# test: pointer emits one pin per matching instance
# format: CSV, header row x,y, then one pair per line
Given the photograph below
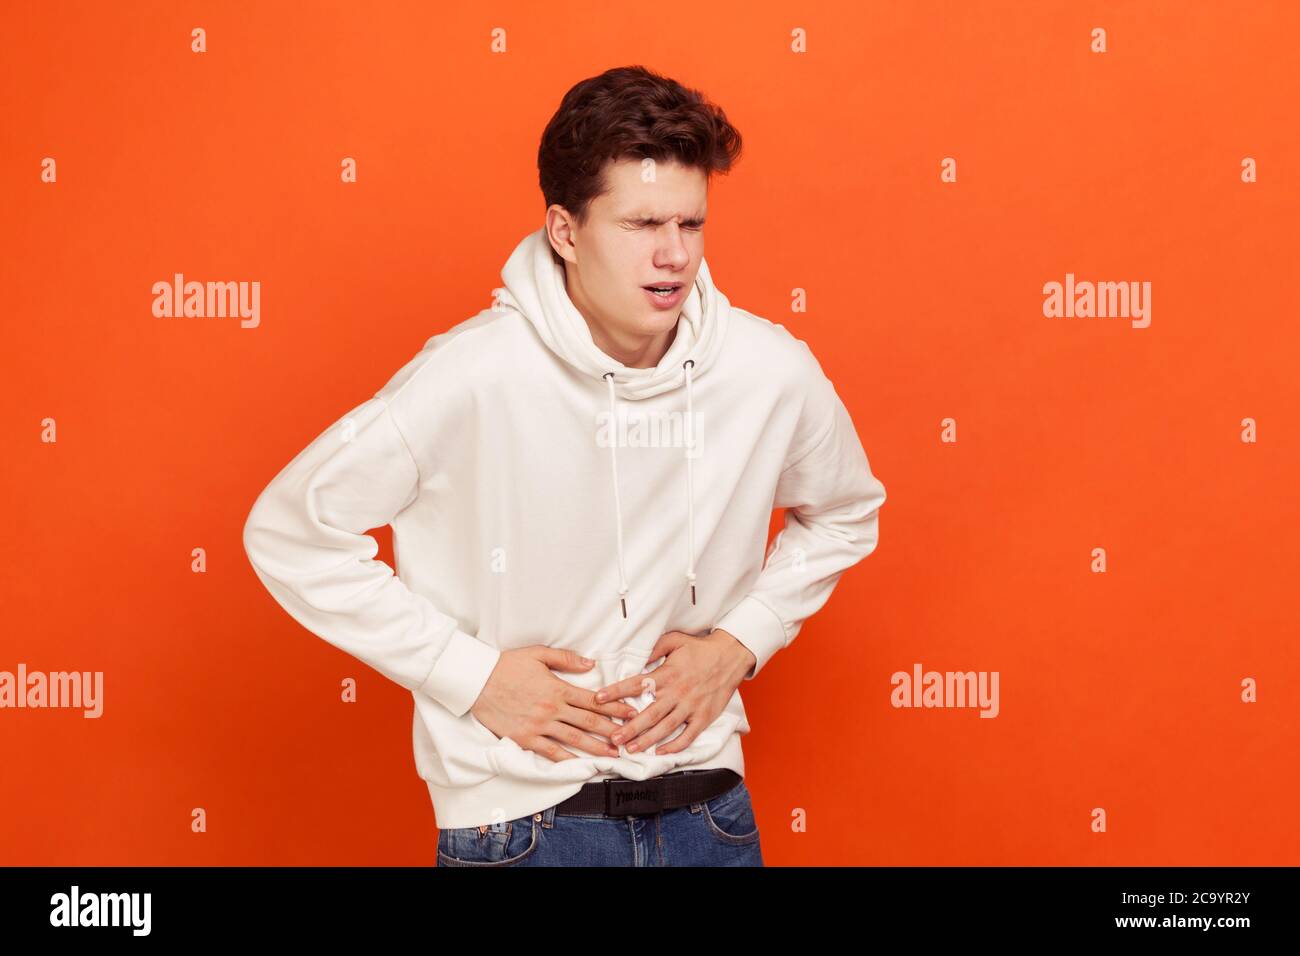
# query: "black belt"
x,y
619,797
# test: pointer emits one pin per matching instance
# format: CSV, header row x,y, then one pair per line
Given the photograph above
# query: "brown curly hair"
x,y
628,112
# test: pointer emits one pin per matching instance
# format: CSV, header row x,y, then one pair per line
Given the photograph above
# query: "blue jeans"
x,y
717,832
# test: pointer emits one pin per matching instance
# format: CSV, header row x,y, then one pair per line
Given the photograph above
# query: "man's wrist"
x,y
744,657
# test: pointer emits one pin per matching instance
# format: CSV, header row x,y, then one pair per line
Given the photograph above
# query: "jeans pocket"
x,y
498,844
730,816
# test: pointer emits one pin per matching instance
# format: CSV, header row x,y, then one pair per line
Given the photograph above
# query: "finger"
x,y
616,709
592,723
545,747
561,658
658,731
683,740
577,697
668,642
576,738
628,687
637,686
644,720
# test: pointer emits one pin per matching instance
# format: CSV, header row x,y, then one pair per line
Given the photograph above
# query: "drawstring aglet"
x,y
692,593
623,601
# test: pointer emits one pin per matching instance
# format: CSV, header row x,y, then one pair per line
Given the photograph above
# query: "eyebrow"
x,y
652,221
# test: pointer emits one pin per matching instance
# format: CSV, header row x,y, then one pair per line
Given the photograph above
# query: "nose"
x,y
671,249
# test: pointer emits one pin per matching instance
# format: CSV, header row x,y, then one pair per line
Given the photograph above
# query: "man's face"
x,y
638,233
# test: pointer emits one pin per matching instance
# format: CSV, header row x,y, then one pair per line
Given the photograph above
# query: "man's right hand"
x,y
524,701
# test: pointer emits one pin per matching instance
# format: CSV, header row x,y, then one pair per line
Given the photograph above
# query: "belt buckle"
x,y
625,798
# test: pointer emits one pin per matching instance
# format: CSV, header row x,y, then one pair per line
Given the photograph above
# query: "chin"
x,y
661,321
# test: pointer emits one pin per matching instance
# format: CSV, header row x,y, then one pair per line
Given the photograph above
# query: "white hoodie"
x,y
534,500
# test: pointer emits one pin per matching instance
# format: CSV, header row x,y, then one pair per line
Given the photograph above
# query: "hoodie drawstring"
x,y
690,486
618,508
690,481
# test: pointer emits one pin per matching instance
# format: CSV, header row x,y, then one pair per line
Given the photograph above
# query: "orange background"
x,y
1118,690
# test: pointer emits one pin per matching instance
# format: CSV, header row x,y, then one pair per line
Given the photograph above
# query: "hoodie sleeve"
x,y
832,501
305,538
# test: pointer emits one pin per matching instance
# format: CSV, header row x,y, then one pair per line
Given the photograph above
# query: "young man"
x,y
580,481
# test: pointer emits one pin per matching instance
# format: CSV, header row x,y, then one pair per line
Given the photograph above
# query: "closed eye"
x,y
694,225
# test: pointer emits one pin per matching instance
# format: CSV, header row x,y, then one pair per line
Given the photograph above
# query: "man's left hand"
x,y
691,687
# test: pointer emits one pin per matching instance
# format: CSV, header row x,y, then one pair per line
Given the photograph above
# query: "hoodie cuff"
x,y
461,672
756,626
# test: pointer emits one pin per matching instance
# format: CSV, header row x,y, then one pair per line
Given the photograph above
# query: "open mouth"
x,y
665,291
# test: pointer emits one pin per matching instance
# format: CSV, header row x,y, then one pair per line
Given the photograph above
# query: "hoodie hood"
x,y
535,287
